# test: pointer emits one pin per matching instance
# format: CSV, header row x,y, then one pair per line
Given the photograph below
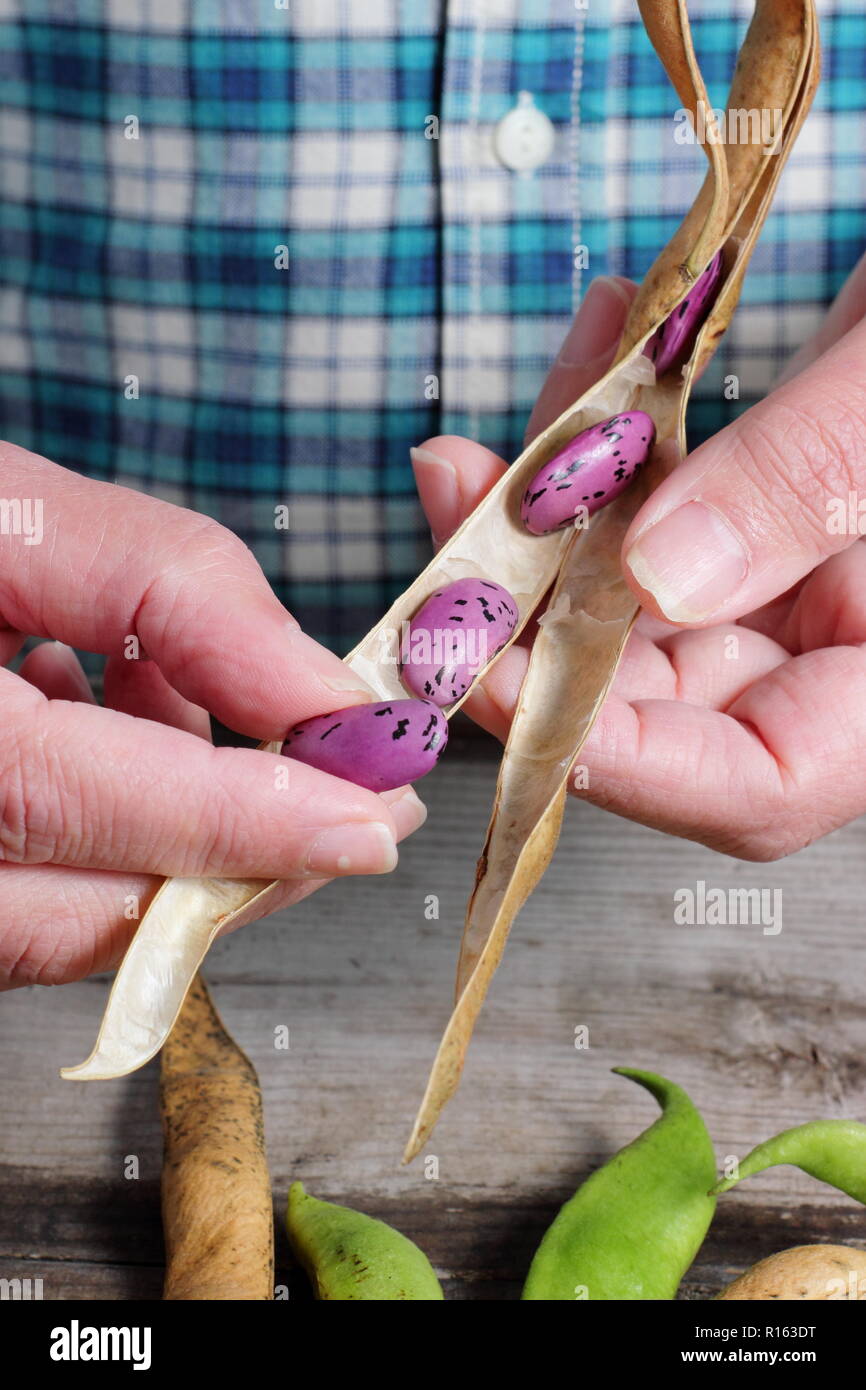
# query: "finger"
x,y
587,351
709,667
752,511
59,924
452,475
847,309
829,609
139,688
776,771
108,565
95,788
55,670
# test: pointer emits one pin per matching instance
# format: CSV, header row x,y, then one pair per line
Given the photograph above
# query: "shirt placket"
x,y
511,207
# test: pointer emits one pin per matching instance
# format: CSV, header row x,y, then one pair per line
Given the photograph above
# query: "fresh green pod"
x,y
833,1151
349,1256
633,1228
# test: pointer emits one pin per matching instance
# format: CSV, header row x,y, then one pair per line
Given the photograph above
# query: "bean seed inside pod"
x,y
454,635
378,746
671,344
588,473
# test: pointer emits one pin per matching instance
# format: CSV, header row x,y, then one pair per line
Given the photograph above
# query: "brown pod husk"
x,y
814,1273
574,658
186,915
217,1212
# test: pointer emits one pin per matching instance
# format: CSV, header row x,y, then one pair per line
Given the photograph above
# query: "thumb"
x,y
763,502
454,474
587,351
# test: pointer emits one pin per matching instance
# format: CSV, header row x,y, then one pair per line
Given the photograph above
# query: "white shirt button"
x,y
525,136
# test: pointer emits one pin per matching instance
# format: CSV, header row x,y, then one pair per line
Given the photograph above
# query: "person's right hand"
x,y
738,713
94,803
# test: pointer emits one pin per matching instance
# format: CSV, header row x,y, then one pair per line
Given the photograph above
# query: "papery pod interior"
x,y
574,658
187,915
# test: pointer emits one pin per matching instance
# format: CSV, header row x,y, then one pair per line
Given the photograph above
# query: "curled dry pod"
x,y
672,343
217,1213
833,1151
186,915
811,1272
352,1257
777,69
589,473
378,746
633,1228
454,635
574,658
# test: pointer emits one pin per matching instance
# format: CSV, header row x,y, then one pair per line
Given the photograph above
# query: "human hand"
x,y
738,714
96,802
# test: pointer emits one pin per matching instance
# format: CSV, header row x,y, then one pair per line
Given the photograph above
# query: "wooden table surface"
x,y
764,1031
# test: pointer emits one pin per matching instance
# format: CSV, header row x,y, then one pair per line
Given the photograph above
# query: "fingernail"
x,y
349,683
691,562
357,848
597,324
407,808
436,475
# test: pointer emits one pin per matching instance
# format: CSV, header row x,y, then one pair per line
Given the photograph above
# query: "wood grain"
x,y
763,1031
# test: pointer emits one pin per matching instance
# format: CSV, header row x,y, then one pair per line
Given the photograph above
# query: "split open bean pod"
x,y
591,610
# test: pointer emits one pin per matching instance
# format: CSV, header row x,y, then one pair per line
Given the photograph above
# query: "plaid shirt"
x,y
235,271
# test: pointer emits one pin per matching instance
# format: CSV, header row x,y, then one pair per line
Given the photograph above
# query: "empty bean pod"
x,y
588,473
671,344
454,635
378,746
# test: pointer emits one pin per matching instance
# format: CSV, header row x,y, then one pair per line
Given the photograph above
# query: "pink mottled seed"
x,y
588,473
378,746
454,635
672,343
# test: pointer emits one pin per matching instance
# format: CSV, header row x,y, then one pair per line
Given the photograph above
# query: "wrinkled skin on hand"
x,y
98,804
743,727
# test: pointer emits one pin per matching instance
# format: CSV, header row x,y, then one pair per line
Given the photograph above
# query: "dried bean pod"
x,y
588,473
454,635
216,1190
379,746
672,342
815,1273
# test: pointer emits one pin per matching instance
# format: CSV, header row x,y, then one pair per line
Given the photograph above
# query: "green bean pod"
x,y
634,1227
833,1151
351,1257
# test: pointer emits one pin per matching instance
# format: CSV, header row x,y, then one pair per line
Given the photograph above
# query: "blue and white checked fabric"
x,y
236,273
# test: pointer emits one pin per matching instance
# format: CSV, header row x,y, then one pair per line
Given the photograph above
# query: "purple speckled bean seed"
x,y
671,344
378,746
589,472
454,635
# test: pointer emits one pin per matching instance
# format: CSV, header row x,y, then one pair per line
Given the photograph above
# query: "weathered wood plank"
x,y
763,1030
93,1240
